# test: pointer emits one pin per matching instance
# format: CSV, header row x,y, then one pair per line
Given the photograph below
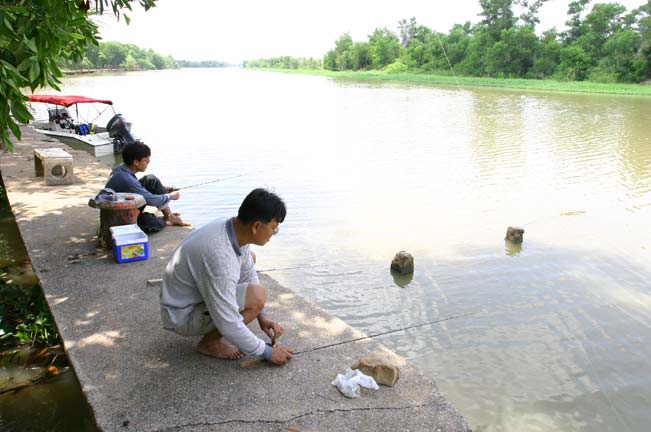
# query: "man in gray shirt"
x,y
210,287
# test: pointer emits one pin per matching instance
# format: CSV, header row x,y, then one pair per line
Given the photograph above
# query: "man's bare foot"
x,y
175,219
220,349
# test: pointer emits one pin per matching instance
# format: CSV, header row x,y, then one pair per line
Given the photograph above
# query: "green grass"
x,y
442,79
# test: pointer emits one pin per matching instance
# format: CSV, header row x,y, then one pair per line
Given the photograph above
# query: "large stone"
x,y
380,367
514,235
403,263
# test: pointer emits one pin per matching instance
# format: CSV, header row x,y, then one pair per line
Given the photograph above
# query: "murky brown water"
x,y
559,337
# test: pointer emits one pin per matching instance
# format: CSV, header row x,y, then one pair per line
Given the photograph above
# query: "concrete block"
x,y
55,165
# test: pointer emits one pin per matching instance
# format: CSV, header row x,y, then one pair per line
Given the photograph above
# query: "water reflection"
x,y
559,334
511,248
401,280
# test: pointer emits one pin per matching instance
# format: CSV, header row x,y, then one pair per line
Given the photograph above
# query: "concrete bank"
x,y
137,376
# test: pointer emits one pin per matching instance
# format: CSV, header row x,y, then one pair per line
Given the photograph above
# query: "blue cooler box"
x,y
129,243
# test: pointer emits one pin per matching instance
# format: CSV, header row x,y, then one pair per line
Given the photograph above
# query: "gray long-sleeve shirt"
x,y
207,267
123,180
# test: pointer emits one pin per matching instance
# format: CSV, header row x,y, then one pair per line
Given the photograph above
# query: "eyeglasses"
x,y
274,231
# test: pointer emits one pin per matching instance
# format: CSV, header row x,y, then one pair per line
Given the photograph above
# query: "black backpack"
x,y
149,222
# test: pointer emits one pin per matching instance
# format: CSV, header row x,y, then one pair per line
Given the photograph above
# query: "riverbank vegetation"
x,y
201,64
115,55
119,56
603,43
445,78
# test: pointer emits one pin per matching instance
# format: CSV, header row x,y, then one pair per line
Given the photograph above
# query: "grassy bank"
x,y
462,81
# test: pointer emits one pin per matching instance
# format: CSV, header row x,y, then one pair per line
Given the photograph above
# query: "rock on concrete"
x,y
380,367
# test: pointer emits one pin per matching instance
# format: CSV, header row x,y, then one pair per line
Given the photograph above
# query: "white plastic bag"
x,y
350,383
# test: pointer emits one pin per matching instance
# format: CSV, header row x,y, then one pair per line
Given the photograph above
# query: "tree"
x,y
549,55
574,23
498,16
115,54
34,36
574,64
456,43
530,16
385,47
407,31
523,46
642,63
330,60
603,21
362,55
419,49
619,57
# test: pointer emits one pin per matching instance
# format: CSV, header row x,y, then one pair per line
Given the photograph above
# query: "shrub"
x,y
396,67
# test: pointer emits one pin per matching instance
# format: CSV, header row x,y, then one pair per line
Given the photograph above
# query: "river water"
x,y
555,334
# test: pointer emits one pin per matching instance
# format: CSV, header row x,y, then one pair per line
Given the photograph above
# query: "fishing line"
x,y
387,332
293,268
208,182
448,60
219,180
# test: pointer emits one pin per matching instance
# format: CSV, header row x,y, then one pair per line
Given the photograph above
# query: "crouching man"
x,y
210,287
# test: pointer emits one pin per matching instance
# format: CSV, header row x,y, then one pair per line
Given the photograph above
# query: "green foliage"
x,y
115,55
34,36
385,47
25,317
284,62
498,16
574,64
396,67
193,64
603,43
549,55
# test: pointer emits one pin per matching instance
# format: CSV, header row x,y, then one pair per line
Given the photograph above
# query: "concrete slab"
x,y
137,376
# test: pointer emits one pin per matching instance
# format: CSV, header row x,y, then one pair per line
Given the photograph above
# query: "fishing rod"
x,y
207,182
387,332
250,363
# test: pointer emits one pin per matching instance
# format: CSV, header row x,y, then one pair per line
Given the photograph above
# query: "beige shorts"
x,y
199,323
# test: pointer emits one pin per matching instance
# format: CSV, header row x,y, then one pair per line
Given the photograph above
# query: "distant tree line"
x,y
284,62
115,55
201,64
602,43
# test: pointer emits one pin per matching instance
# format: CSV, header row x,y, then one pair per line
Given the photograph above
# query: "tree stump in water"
x,y
123,210
403,263
514,235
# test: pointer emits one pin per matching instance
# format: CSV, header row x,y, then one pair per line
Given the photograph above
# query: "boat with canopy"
x,y
81,132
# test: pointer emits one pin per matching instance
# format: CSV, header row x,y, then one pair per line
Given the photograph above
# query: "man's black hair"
x,y
135,152
262,205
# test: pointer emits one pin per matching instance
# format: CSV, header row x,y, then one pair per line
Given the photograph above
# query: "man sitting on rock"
x,y
123,178
211,289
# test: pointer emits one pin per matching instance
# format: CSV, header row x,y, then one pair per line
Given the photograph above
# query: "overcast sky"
x,y
234,31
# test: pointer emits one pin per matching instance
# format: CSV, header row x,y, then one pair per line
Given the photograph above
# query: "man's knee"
x,y
256,296
152,184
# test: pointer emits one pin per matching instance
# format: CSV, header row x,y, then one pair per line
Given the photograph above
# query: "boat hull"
x,y
96,144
